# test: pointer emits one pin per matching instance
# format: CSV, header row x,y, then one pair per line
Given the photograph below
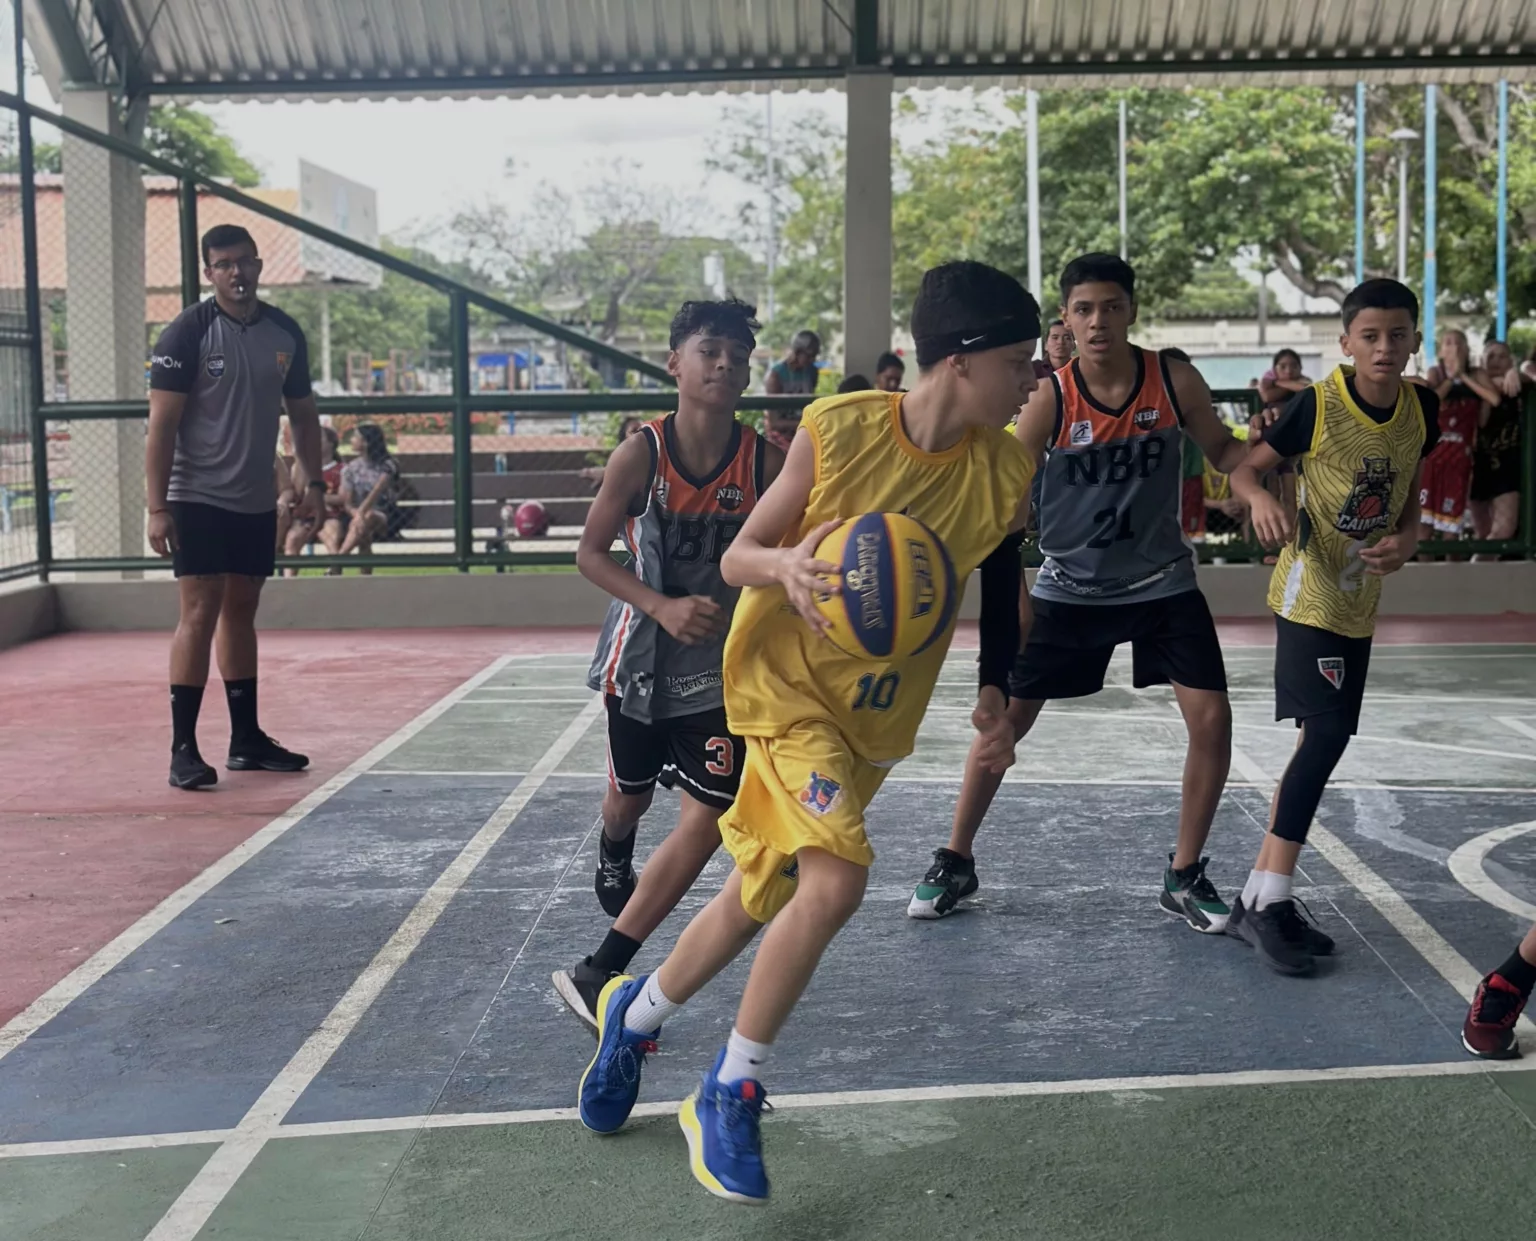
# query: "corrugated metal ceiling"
x,y
383,48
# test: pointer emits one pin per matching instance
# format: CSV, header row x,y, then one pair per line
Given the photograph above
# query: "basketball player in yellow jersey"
x,y
816,753
1359,437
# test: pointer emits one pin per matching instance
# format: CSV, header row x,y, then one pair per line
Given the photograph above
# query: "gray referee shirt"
x,y
235,376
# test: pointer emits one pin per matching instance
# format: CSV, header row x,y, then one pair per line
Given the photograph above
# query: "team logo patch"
x,y
1332,668
1081,433
284,360
1145,418
820,793
730,497
791,870
215,365
1368,506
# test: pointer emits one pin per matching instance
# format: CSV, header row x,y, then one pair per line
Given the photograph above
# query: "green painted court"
x,y
344,1027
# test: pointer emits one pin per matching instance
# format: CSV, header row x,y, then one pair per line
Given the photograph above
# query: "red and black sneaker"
x,y
1489,1030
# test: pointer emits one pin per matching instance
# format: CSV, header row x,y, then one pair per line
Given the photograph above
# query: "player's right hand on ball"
x,y
1270,521
804,577
162,533
691,619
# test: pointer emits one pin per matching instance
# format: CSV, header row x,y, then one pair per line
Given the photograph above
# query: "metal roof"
x,y
408,48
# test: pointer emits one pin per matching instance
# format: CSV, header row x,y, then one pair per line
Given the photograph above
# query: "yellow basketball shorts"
x,y
803,789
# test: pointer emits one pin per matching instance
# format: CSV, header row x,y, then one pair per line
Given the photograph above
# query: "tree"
x,y
190,137
622,254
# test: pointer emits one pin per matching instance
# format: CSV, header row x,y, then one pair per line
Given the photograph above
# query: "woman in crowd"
x,y
369,485
333,529
1462,388
795,374
1496,455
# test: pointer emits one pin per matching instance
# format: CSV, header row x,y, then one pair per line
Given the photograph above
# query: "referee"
x,y
219,377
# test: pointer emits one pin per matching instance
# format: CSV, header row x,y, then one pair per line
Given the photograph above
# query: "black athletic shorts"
x,y
211,540
1318,671
695,753
1173,640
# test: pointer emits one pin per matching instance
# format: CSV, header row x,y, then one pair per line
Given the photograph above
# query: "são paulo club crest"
x,y
1368,507
1332,668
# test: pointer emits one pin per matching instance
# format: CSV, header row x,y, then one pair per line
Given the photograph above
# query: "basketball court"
x,y
321,1009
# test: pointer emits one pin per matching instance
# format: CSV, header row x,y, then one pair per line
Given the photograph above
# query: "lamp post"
x,y
1402,137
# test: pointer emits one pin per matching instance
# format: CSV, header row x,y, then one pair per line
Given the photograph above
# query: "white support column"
x,y
867,222
104,242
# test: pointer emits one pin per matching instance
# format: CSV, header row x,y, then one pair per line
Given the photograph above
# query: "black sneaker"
x,y
189,771
1489,1030
1193,897
949,881
1277,932
261,753
615,879
1312,936
580,986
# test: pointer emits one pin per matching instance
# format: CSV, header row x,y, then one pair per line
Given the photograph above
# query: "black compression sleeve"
x,y
1001,573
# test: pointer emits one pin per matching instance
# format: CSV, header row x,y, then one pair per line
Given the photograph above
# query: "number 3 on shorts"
x,y
722,758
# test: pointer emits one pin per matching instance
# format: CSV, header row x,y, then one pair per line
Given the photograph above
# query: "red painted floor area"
x,y
92,837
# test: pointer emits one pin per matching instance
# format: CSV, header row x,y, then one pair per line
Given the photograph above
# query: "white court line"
x,y
1290,730
1404,919
90,971
1518,726
198,1201
1466,864
786,1102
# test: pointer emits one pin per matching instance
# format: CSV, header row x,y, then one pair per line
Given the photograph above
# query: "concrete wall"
x,y
528,600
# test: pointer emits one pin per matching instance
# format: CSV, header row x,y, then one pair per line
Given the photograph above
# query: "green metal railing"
x,y
459,405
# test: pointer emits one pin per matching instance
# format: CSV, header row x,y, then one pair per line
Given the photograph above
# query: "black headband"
x,y
931,349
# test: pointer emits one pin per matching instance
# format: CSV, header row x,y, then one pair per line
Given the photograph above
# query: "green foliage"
x,y
192,138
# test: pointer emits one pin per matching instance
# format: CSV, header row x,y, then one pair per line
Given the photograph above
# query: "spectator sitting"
x,y
1059,345
795,374
333,529
368,489
780,425
857,383
1283,379
594,473
287,498
890,370
1496,454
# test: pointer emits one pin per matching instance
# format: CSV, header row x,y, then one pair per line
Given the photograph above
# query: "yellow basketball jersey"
x,y
1353,486
777,672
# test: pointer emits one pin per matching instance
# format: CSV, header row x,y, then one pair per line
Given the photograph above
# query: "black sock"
x,y
617,952
186,702
242,709
1520,972
618,848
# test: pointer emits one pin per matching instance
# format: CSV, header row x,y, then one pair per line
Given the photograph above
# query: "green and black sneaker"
x,y
949,881
1188,894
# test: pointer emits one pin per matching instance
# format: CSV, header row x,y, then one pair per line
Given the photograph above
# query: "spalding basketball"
x,y
898,595
531,521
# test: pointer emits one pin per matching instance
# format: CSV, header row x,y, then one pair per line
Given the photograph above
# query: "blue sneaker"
x,y
721,1124
611,1083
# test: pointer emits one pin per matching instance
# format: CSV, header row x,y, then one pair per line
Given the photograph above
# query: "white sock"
x,y
743,1058
649,1009
1265,887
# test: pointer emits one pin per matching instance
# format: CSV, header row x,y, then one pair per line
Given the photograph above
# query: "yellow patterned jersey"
x,y
1355,480
777,672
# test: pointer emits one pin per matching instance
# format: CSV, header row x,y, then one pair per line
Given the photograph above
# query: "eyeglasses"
x,y
225,266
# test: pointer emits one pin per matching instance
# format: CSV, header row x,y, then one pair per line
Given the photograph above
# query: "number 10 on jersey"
x,y
876,694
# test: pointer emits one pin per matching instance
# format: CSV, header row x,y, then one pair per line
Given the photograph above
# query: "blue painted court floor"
x,y
353,1033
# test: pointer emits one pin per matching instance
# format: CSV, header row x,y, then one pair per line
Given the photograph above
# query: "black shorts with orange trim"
x,y
696,754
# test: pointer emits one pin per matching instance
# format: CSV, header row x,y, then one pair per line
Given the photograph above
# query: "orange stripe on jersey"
x,y
1086,421
731,490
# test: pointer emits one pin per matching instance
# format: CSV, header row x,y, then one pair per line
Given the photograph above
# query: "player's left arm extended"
x,y
1393,551
1201,422
1006,616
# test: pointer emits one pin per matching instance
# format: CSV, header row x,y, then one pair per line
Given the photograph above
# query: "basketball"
x,y
898,593
531,521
